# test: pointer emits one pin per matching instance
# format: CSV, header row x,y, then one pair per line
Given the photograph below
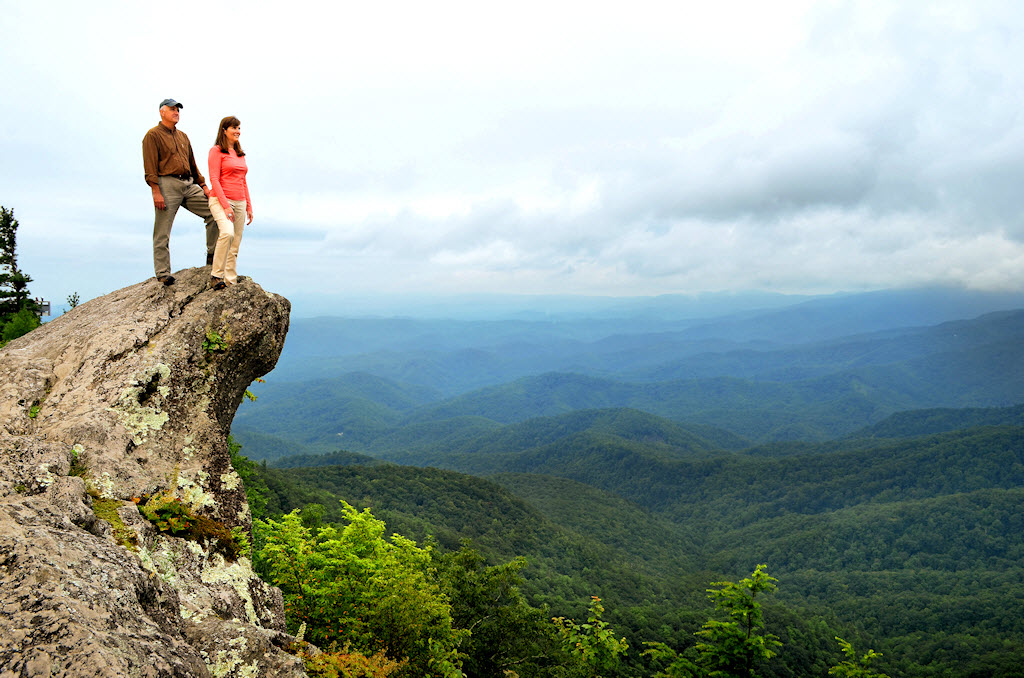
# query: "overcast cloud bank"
x,y
802,147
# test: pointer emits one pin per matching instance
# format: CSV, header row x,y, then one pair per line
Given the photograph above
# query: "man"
x,y
172,174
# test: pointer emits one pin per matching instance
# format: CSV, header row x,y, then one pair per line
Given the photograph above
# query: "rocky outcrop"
x,y
130,396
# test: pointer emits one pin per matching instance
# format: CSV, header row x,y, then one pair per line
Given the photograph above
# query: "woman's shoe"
x,y
217,283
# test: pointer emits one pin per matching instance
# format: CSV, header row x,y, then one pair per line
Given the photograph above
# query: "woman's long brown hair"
x,y
222,138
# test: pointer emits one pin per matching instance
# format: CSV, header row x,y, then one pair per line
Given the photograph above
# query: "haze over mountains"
x,y
869,448
817,370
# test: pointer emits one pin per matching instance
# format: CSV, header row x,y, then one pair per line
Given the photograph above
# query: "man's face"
x,y
169,115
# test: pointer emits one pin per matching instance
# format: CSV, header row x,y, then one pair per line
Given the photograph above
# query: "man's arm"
x,y
150,156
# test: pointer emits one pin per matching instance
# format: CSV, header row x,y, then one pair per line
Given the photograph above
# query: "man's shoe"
x,y
209,258
166,279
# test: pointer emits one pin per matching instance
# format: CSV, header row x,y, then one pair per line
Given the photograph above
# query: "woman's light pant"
x,y
225,255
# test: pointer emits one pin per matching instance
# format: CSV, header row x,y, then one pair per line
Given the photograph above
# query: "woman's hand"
x,y
249,212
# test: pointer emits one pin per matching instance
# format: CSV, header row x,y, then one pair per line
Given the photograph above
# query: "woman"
x,y
229,200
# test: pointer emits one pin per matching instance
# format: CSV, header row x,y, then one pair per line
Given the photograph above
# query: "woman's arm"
x,y
214,161
248,200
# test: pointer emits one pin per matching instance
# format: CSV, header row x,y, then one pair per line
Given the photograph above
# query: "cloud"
x,y
540,147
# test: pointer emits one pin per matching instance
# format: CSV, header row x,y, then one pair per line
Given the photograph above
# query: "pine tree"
x,y
14,294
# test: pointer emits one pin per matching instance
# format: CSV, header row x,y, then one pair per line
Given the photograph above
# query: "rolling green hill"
x,y
941,420
479,450
374,415
854,383
747,488
263,446
327,414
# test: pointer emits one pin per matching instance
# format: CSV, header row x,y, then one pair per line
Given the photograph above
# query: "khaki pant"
x,y
225,255
178,193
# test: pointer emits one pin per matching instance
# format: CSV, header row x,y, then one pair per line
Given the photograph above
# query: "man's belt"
x,y
183,177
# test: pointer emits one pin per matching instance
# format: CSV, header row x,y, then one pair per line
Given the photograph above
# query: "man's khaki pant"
x,y
179,193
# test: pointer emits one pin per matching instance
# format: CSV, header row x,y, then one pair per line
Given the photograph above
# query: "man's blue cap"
x,y
170,102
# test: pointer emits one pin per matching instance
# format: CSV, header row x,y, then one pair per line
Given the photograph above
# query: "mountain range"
x,y
869,448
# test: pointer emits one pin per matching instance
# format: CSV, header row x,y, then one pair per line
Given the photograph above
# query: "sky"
x,y
531,148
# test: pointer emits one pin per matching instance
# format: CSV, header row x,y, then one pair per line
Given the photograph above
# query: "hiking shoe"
x,y
166,279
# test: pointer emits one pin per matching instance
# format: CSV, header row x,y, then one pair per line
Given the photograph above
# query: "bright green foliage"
x,y
853,666
353,588
733,647
18,324
215,342
240,536
677,665
169,514
252,397
594,644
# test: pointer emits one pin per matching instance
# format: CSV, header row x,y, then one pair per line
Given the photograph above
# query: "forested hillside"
x,y
941,420
877,469
916,545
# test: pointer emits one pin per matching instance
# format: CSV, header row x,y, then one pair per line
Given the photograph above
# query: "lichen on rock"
x,y
230,480
193,493
139,406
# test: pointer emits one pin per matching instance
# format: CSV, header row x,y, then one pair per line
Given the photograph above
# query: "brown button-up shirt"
x,y
166,151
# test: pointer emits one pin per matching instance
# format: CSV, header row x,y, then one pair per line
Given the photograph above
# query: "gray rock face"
x,y
138,387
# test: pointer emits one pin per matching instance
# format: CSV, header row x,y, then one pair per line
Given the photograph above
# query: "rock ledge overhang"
x,y
141,385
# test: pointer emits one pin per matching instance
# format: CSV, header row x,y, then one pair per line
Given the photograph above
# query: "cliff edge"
x,y
126,400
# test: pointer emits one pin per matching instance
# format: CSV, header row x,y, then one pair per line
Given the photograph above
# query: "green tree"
x,y
733,647
508,635
19,313
18,324
351,588
729,648
854,666
14,294
593,644
676,665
